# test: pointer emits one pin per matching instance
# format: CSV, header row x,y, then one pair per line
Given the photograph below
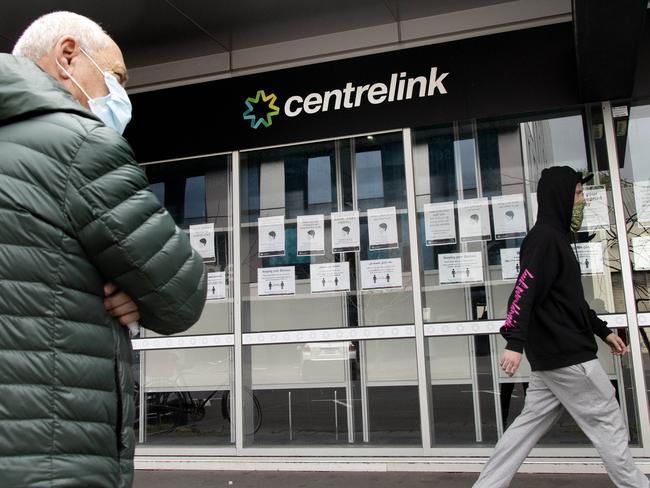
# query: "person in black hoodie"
x,y
549,318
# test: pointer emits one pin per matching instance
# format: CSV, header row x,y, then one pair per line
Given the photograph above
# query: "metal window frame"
x,y
641,396
419,330
238,387
421,343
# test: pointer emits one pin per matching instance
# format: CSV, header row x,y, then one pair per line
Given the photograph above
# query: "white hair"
x,y
41,36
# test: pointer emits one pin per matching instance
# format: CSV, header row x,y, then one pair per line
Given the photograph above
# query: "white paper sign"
x,y
311,235
216,285
382,228
510,265
533,208
330,277
280,280
345,231
202,240
641,253
474,220
596,214
463,267
642,201
590,257
271,235
439,223
381,273
509,215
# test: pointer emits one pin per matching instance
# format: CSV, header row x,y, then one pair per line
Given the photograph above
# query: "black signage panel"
x,y
513,72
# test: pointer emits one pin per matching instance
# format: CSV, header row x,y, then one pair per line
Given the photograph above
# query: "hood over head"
x,y
555,196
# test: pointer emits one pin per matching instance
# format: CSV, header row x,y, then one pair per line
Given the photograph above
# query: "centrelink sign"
x,y
473,78
263,107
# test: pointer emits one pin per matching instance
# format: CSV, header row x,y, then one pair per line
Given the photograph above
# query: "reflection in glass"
x,y
187,396
461,391
476,185
634,152
369,175
645,354
345,392
635,186
503,160
197,192
312,180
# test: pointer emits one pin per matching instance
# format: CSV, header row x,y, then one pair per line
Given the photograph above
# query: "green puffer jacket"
x,y
75,212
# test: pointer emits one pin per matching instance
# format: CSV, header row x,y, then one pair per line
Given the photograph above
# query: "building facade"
x,y
361,220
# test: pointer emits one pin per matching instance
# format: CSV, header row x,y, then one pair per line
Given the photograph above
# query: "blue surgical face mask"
x,y
113,109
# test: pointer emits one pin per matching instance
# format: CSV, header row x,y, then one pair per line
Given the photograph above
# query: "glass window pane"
x,y
187,396
476,186
319,174
196,192
348,392
294,193
510,156
369,175
634,151
635,186
461,391
195,197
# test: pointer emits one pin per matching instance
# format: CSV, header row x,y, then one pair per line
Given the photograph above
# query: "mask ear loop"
x,y
91,60
72,78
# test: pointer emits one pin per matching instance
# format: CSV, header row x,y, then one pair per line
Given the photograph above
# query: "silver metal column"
x,y
237,390
478,421
421,346
478,426
365,427
232,267
496,384
626,273
142,432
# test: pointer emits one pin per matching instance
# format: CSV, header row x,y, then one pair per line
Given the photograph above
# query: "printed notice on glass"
x,y
202,240
270,232
474,220
533,208
439,223
311,235
330,277
280,280
216,286
596,214
590,257
345,231
382,228
381,273
641,253
510,266
509,215
642,201
462,267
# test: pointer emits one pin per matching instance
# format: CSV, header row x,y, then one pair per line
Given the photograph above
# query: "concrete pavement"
x,y
284,479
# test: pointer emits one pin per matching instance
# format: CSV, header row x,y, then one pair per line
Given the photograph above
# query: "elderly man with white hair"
x,y
85,249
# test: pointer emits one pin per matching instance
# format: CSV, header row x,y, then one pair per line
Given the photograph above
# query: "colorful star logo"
x,y
251,103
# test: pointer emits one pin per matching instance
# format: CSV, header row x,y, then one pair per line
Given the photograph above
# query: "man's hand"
x,y
120,305
616,345
510,361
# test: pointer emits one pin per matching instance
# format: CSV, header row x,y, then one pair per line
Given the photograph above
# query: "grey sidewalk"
x,y
284,479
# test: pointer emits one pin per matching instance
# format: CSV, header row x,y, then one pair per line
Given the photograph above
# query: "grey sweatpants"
x,y
587,394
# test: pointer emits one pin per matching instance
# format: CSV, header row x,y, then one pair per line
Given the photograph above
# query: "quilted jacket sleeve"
x,y
129,237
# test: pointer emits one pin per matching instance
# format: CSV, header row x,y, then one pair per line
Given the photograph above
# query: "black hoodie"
x,y
547,312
